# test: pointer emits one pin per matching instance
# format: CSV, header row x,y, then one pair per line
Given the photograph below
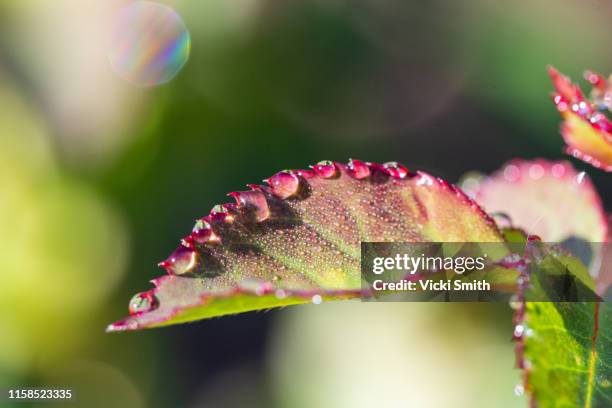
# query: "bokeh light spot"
x,y
149,43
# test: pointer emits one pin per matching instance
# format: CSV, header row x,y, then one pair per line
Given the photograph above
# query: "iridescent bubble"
x,y
149,43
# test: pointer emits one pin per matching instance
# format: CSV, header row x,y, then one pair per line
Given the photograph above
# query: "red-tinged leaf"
x,y
547,199
297,240
585,128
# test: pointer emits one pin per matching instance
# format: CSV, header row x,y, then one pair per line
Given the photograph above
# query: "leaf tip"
x,y
122,326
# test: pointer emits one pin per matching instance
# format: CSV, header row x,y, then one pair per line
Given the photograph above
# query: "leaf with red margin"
x,y
586,131
564,349
297,240
545,198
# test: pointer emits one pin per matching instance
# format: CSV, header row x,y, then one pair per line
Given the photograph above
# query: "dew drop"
x,y
518,331
284,184
187,242
256,286
558,170
425,180
317,299
470,183
204,235
255,201
200,225
142,302
512,173
561,103
218,209
396,170
148,44
594,78
536,171
220,213
181,261
358,169
515,303
519,390
580,178
325,169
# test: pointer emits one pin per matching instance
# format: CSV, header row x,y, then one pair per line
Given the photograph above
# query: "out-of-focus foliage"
x,y
63,247
527,191
394,355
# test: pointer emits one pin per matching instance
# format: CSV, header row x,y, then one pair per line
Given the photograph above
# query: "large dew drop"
x,y
149,43
284,184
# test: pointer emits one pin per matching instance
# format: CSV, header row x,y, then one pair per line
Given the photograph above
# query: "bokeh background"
x,y
100,176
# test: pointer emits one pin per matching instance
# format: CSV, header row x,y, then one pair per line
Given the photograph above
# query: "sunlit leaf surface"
x,y
297,240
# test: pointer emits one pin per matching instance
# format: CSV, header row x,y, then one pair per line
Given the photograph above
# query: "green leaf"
x,y
565,348
297,240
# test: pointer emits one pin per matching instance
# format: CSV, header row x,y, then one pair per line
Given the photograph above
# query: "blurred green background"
x,y
99,179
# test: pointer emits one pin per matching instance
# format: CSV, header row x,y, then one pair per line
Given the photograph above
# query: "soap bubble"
x,y
149,43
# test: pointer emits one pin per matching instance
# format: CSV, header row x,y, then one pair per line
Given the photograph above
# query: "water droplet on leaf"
x,y
200,225
204,236
512,173
142,302
515,303
325,169
558,170
470,183
536,171
284,184
396,170
519,390
255,201
358,169
218,209
181,261
256,286
518,331
317,299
